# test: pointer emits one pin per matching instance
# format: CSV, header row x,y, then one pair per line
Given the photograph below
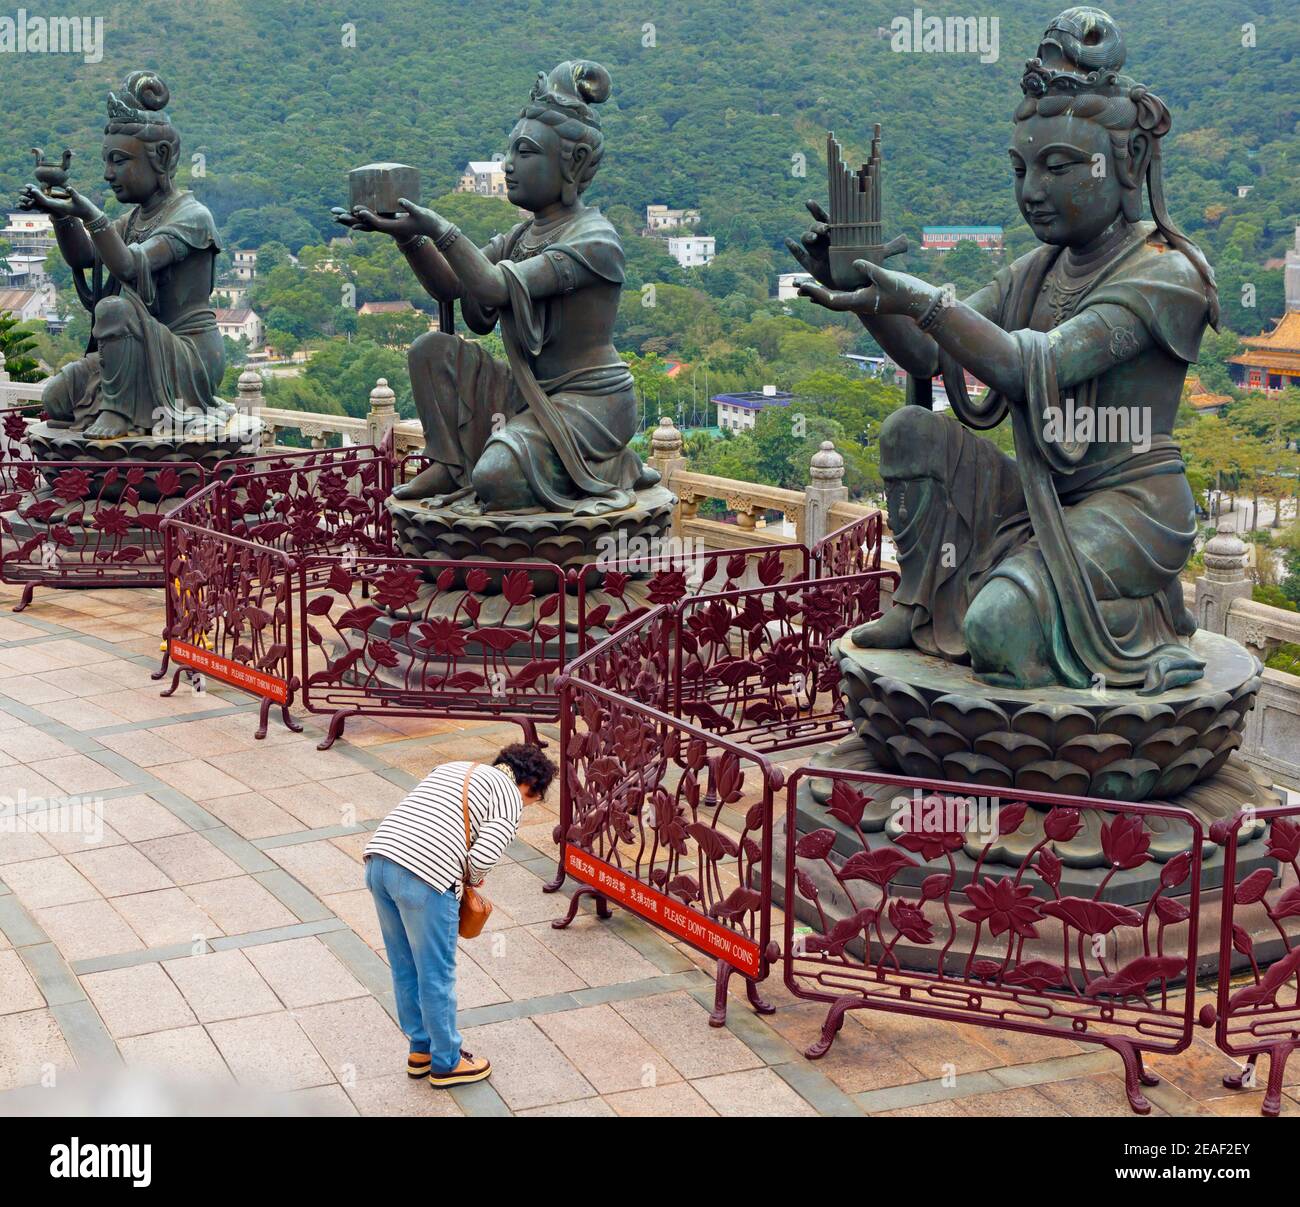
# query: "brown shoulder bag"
x,y
475,909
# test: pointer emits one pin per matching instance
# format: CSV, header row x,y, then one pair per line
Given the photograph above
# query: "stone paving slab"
x,y
214,946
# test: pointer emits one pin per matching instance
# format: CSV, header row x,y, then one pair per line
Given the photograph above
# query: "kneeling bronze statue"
x,y
155,359
548,430
1062,565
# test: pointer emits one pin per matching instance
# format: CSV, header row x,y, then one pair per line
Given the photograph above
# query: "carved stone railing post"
x,y
666,456
744,507
825,489
1225,579
382,414
252,402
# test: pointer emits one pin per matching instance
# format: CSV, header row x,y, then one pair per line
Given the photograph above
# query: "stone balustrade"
x,y
1223,604
810,514
1221,599
12,393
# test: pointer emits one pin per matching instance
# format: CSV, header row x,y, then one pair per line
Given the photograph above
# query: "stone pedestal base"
x,y
558,538
919,715
207,442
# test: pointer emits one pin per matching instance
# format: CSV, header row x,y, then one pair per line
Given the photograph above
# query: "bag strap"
x,y
464,807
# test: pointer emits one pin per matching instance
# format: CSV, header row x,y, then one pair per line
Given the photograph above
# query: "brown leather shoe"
x,y
470,1069
417,1064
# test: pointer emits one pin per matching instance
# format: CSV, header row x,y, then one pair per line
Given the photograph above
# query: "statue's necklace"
x,y
1064,293
525,247
1069,282
138,227
1066,289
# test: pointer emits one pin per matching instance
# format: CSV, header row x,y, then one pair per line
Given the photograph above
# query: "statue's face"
x,y
532,165
1066,184
127,169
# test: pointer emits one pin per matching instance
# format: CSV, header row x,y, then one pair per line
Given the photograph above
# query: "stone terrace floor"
x,y
217,950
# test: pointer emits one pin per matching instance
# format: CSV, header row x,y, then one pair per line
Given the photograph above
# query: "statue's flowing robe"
x,y
1095,544
168,358
569,435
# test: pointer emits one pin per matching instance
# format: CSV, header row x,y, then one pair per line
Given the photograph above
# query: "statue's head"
x,y
141,146
556,145
1087,139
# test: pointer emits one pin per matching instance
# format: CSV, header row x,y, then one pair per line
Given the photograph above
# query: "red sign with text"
x,y
700,932
234,673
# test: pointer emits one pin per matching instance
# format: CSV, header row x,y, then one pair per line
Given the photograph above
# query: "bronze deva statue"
x,y
1059,566
548,431
155,358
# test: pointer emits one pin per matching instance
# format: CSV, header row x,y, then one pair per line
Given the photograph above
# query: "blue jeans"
x,y
420,927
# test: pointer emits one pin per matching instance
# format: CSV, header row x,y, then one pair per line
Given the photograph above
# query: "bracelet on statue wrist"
x,y
934,311
412,244
100,223
447,238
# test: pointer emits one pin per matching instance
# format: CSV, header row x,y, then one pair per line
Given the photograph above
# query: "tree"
x,y
16,342
268,223
345,373
966,266
396,330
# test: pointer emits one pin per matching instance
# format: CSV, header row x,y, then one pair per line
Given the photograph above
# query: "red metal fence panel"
x,y
1261,1015
325,501
14,421
1008,946
229,608
755,664
385,635
87,523
615,592
656,814
852,549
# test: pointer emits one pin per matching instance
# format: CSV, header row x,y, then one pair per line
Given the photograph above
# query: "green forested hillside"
x,y
716,104
711,114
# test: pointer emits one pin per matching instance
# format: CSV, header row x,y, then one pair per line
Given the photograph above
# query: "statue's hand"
x,y
358,218
813,251
813,248
82,207
427,222
32,198
887,293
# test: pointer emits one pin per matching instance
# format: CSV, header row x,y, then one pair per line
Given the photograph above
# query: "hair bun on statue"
x,y
144,96
148,90
570,88
591,82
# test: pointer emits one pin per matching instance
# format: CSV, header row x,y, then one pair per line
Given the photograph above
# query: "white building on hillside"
x,y
245,264
691,251
31,305
738,412
241,324
31,233
661,218
483,176
787,284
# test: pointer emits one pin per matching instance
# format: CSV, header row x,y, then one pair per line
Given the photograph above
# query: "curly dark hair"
x,y
528,765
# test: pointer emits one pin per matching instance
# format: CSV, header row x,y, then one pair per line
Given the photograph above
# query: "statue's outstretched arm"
x,y
74,244
431,269
1085,345
117,256
911,348
896,333
429,265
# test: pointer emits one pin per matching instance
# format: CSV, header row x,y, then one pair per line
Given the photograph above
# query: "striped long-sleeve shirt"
x,y
426,832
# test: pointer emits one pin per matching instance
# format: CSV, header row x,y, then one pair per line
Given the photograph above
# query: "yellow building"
x,y
1271,361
